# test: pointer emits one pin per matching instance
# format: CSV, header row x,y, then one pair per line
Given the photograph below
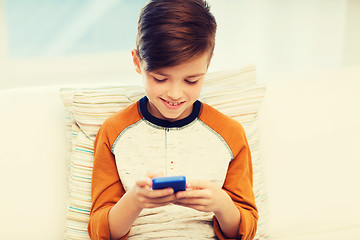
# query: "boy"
x,y
170,131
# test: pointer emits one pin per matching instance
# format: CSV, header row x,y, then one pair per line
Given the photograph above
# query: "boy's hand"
x,y
202,196
147,198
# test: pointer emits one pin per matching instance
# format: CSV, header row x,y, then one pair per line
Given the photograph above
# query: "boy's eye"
x,y
191,82
159,80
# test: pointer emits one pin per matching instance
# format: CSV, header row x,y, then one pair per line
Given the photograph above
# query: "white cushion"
x,y
32,167
346,234
310,138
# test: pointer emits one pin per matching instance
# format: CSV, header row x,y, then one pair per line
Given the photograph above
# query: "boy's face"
x,y
173,90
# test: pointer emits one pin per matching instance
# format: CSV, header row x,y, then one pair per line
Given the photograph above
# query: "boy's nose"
x,y
175,92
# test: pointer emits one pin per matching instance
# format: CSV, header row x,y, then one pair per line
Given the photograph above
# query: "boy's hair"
x,y
171,32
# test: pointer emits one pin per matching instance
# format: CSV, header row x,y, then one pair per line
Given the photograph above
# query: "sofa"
x,y
308,125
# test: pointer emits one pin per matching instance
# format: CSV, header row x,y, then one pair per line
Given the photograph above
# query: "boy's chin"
x,y
172,117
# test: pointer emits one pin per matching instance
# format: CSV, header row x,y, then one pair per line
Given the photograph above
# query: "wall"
x,y
3,39
281,35
276,35
352,33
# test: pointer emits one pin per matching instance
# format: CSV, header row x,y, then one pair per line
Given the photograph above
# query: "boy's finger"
x,y
144,182
197,184
153,174
153,194
161,193
202,193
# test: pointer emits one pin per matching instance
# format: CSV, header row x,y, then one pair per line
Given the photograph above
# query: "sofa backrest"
x,y
32,167
310,137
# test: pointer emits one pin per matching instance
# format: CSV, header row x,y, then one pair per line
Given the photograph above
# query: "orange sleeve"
x,y
239,185
106,186
239,179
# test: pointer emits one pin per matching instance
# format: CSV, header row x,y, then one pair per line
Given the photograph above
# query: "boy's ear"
x,y
210,58
136,61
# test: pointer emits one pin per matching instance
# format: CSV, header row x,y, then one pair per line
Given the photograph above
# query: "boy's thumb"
x,y
153,174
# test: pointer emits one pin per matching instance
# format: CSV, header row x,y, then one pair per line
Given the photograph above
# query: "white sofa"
x,y
309,140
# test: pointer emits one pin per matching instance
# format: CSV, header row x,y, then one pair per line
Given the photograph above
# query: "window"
x,y
40,28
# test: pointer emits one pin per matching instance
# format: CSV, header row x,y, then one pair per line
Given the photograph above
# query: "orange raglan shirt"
x,y
206,145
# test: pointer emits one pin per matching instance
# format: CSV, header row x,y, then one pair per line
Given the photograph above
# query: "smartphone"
x,y
178,183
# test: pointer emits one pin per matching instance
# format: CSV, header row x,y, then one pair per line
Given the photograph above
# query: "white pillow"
x,y
234,93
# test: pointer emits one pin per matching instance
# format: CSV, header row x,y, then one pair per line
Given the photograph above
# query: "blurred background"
x,y
57,42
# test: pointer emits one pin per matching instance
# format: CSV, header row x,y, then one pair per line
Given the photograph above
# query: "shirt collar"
x,y
165,123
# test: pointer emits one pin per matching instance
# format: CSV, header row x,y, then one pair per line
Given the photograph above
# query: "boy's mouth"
x,y
172,105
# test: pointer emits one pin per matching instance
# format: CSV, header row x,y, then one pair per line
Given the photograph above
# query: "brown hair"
x,y
171,32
